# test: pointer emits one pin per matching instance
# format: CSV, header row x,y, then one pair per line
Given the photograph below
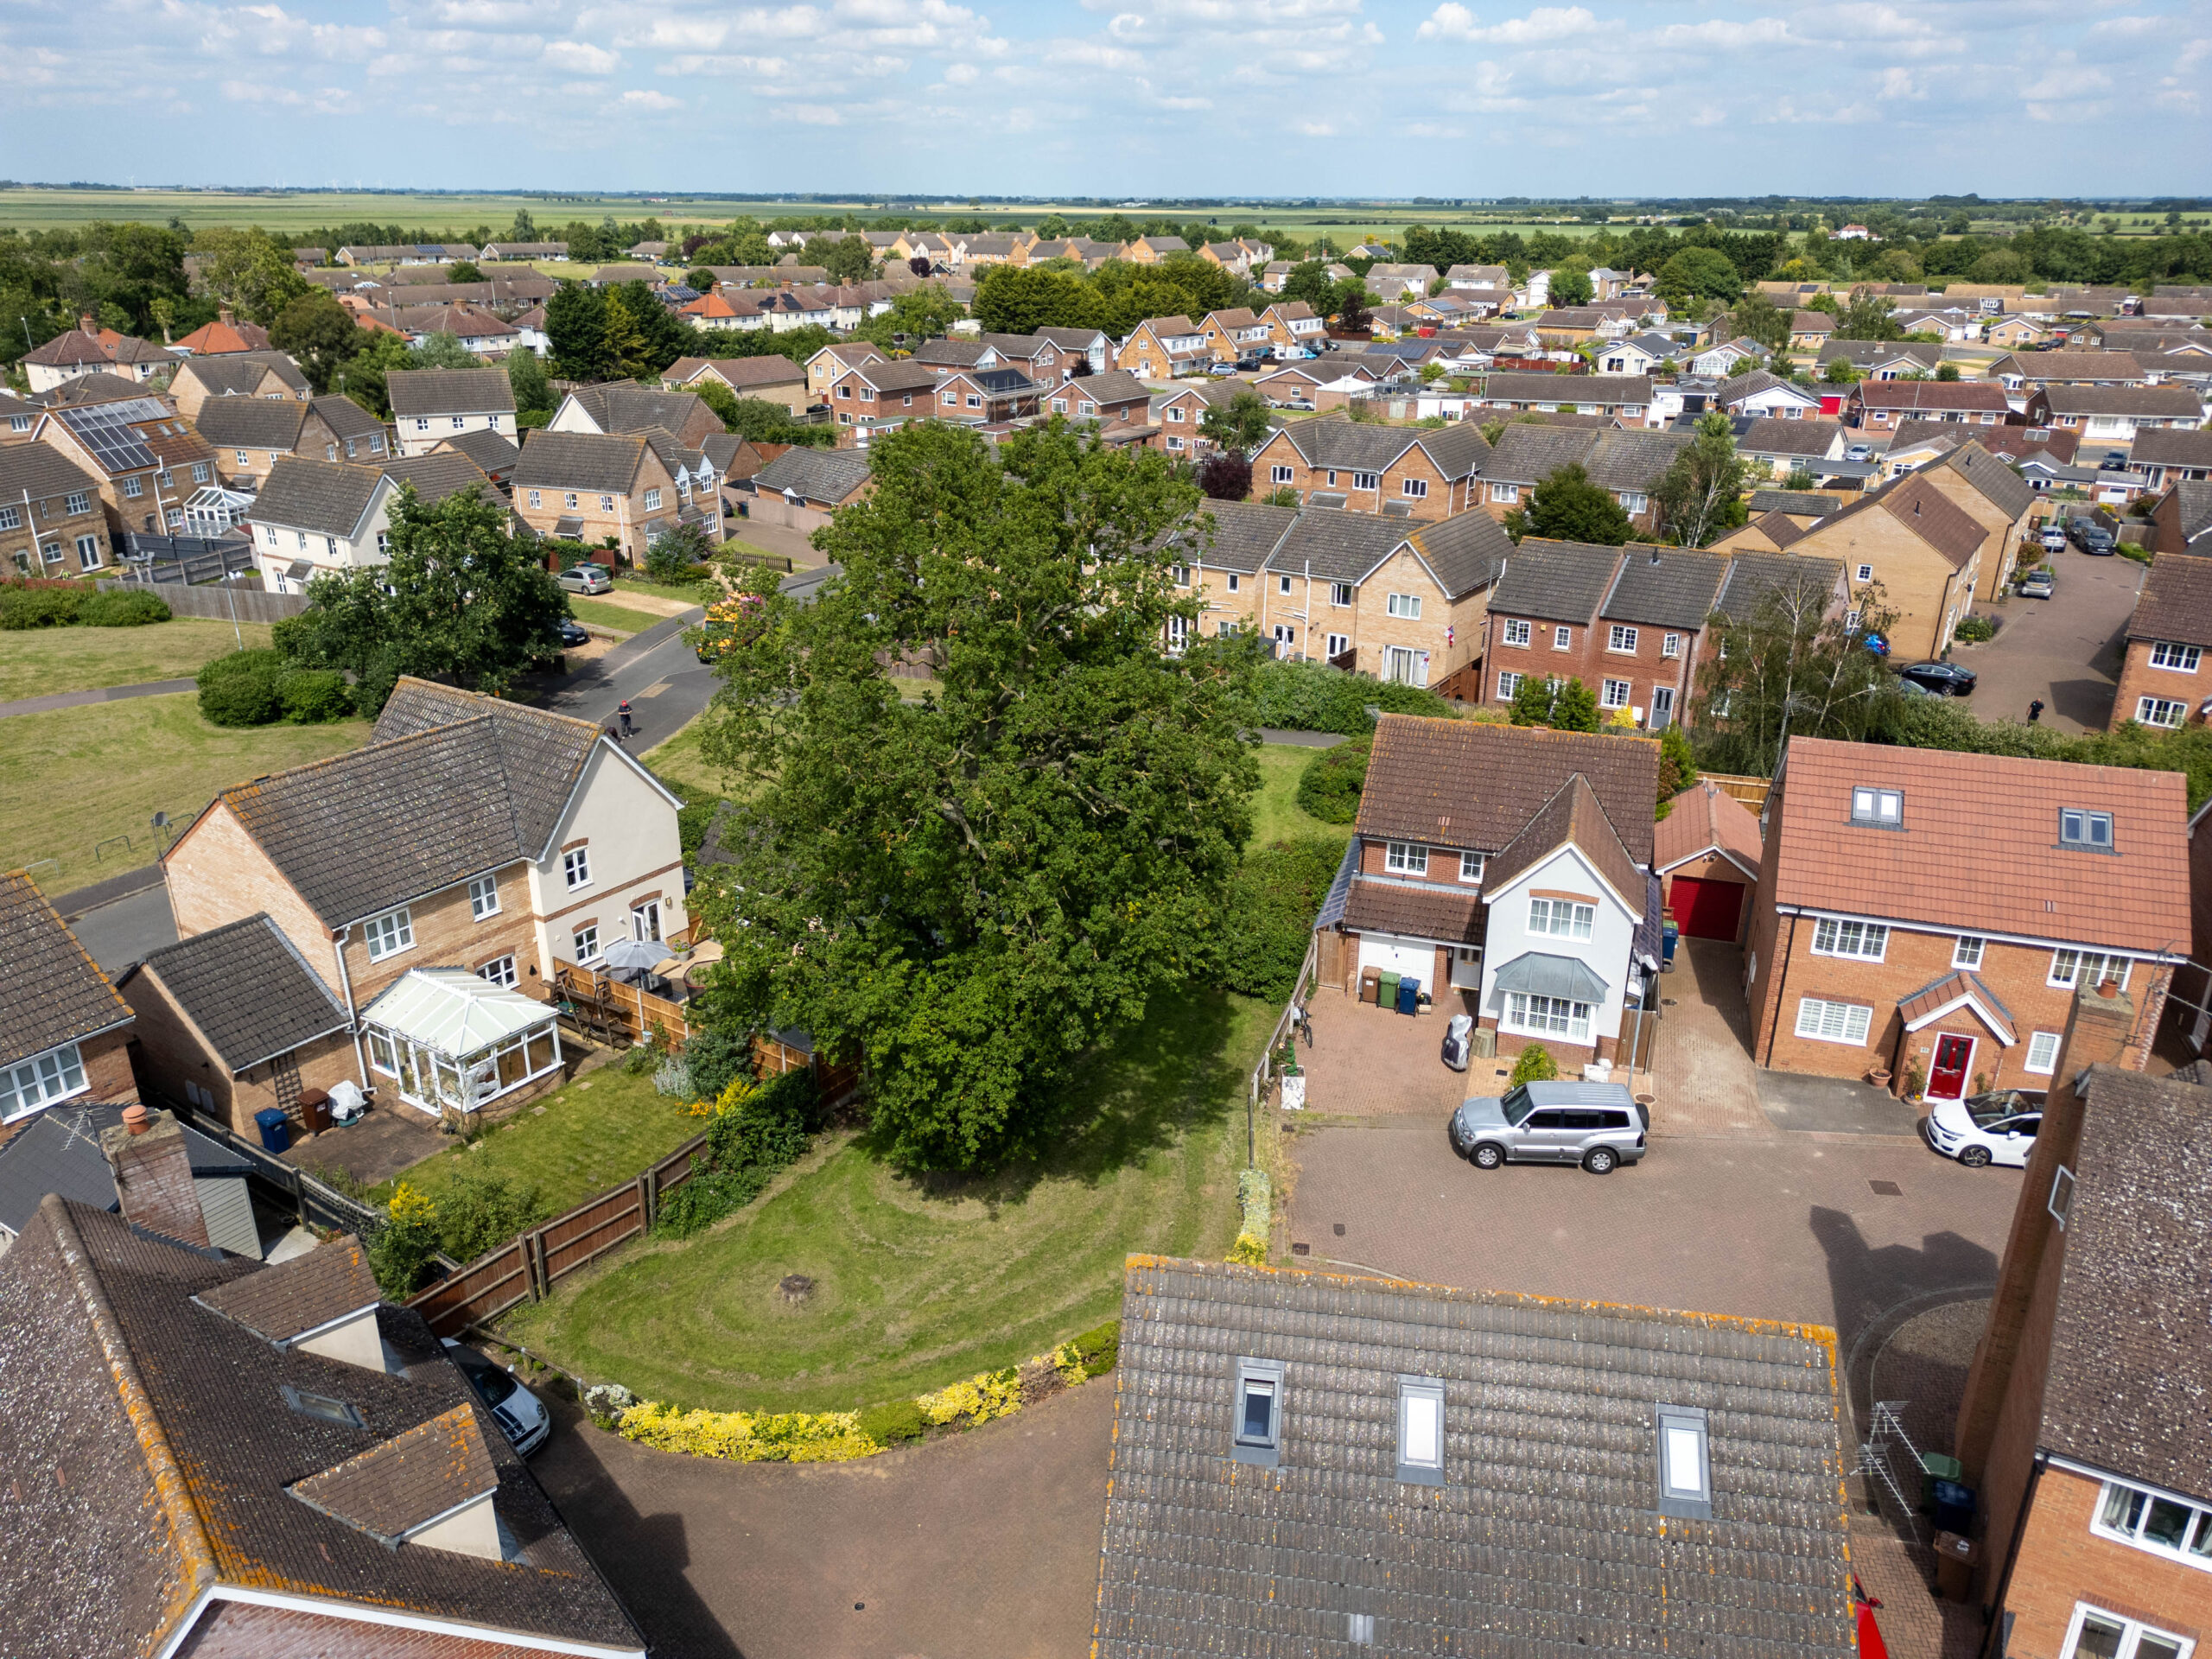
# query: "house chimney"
x,y
87,325
223,312
2098,1032
153,1176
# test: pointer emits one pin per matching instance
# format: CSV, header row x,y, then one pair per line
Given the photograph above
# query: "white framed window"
x,y
1282,585
134,487
245,459
576,867
1516,633
1408,857
1405,604
1367,481
2160,711
1671,645
1508,685
2042,1053
389,934
200,472
1175,443
1505,494
1880,806
1685,1462
484,897
569,498
1279,474
80,502
1173,414
423,424
2096,1634
460,422
1235,582
500,971
1416,488
2078,969
1562,639
1258,1430
652,499
1561,919
1633,501
607,504
1339,644
1862,941
40,1080
1547,1016
494,423
1420,1431
1967,952
381,1055
1471,866
1621,638
11,519
2164,653
1834,1022
1614,694
1340,595
645,922
585,943
535,500
2078,827
1865,573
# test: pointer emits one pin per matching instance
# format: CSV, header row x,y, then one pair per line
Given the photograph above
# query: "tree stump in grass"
x,y
795,1288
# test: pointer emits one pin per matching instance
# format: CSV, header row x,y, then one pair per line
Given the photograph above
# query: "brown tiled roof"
x,y
1778,528
1971,396
1707,819
1462,784
1573,815
1921,508
2011,876
391,1490
1429,911
1938,994
2171,446
51,991
2175,602
2170,401
289,1298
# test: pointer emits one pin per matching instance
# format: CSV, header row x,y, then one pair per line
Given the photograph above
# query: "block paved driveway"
x,y
2065,650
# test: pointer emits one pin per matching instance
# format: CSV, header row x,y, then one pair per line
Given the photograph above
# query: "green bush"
x,y
373,688
1314,697
746,1146
715,1055
1535,1065
1329,787
40,607
1974,629
1099,1349
1268,918
242,688
311,696
482,1209
892,1425
131,609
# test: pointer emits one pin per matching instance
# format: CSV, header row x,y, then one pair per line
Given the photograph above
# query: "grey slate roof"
x,y
1530,387
1752,577
594,462
1115,386
1242,534
416,392
492,452
1334,545
2193,503
247,988
1362,446
1802,503
111,1562
326,496
1466,551
1665,588
237,374
1557,582
620,406
40,470
2171,446
346,418
58,1151
825,476
956,353
51,991
1633,459
251,422
2130,1384
1527,453
1543,1538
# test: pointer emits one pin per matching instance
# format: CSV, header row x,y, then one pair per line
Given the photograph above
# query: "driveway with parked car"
x,y
2067,654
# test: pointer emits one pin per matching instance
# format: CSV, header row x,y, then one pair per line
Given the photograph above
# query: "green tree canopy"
x,y
1570,287
1699,274
1242,425
1567,507
965,894
1700,495
320,334
1867,317
849,259
1792,666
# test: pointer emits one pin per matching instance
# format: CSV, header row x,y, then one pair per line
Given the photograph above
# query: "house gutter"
x,y
352,1016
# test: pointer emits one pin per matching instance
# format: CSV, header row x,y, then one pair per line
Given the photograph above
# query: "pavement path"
x,y
57,699
2065,650
665,682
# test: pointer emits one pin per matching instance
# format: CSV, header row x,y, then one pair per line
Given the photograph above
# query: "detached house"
x,y
1292,326
1930,915
985,397
1163,347
877,392
1115,398
803,487
1404,472
1511,866
1234,334
2114,415
148,462
250,435
833,359
2164,680
1877,402
1927,552
624,407
1626,398
772,379
51,521
65,1033
630,488
1883,359
249,374
90,349
2167,455
317,519
430,406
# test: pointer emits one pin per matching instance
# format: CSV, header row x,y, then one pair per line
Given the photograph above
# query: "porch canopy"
x,y
1556,976
451,1038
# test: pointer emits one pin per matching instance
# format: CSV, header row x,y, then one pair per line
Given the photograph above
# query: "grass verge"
x,y
39,662
677,760
921,1281
615,618
69,780
1276,815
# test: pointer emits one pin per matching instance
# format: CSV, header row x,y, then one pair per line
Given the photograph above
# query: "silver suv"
x,y
1597,1125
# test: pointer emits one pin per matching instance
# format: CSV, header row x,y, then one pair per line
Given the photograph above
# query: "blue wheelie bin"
x,y
275,1134
1410,996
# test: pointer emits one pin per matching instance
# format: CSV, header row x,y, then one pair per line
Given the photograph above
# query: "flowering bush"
x,y
748,1437
978,1400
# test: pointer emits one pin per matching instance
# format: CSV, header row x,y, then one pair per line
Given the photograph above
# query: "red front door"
x,y
1947,1079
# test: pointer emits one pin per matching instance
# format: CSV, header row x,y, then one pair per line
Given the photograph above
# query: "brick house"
x,y
1115,398
317,518
1627,622
65,1032
1159,348
1043,359
631,488
1930,913
250,435
1880,404
1883,359
1297,385
882,391
1625,397
1507,868
1926,551
834,359
622,406
1995,497
2184,518
470,833
1151,250
250,374
147,461
1705,851
1409,471
2022,372
1764,393
2167,455
1627,463
1235,333
771,378
90,349
1292,326
984,396
1178,414
2164,680
51,518
2115,415
1089,343
429,406
801,488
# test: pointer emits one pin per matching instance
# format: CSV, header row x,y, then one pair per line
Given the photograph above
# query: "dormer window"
x,y
1883,807
1258,1437
2091,832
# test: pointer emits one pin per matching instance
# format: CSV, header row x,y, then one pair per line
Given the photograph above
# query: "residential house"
x,y
2021,372
495,453
524,250
1161,349
90,349
1913,444
626,272
249,434
1810,330
981,396
1928,916
878,391
1041,357
1767,396
318,517
430,406
1628,463
145,459
2184,518
1726,359
52,517
18,417
1883,359
2115,415
1229,256
484,333
60,1151
628,488
1179,414
1342,1447
1876,402
1927,552
1466,276
2164,680
953,352
1995,497
1392,283
1090,344
1275,276
771,378
225,337
618,406
2165,455
1954,326
1507,869
801,488
1783,446
1297,384
834,359
789,308
1627,622
1407,472
347,1490
1292,327
1115,398
977,251
1627,397
1706,853
1234,334
65,1033
1151,250
1576,323
1639,356
2015,333
496,840
719,313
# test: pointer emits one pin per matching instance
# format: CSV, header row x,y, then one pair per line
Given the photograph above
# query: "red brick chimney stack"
x,y
153,1175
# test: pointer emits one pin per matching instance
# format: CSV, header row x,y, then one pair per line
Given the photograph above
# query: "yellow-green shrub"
x,y
750,1437
1248,1251
978,1399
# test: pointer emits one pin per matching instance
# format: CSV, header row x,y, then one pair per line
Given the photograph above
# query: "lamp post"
x,y
230,593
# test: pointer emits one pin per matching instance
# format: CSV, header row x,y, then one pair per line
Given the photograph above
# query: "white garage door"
x,y
1396,955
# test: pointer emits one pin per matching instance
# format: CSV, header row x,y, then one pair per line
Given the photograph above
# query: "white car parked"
x,y
1998,1128
521,1415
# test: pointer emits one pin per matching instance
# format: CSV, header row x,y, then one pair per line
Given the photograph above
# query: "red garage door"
x,y
1707,909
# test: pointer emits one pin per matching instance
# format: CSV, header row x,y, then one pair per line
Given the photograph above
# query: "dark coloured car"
x,y
1945,679
2116,460
573,635
2091,537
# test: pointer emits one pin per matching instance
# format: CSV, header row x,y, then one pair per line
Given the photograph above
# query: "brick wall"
x,y
153,1179
171,1052
1444,498
1590,657
106,1060
2138,680
48,522
216,873
1451,633
622,516
2062,1563
448,935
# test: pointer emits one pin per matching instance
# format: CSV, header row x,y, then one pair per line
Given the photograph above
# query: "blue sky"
x,y
1135,97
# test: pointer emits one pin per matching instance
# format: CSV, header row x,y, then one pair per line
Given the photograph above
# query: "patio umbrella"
x,y
634,953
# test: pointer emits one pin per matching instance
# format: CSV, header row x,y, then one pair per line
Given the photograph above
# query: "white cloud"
x,y
1546,23
812,114
580,57
639,99
960,75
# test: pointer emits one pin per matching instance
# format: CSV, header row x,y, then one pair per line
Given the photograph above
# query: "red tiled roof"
x,y
1978,851
1707,819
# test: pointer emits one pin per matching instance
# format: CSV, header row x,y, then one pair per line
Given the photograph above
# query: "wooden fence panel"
x,y
486,1289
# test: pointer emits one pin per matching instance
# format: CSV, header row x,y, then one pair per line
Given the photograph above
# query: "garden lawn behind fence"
x,y
1276,815
39,662
920,1281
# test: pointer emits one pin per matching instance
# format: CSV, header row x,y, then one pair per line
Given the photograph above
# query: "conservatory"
x,y
448,1037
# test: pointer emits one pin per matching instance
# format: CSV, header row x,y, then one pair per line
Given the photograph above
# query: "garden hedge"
x,y
1329,786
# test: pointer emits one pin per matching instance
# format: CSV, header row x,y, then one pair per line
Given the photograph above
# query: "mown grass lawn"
x,y
38,662
921,1281
677,760
72,780
1276,815
616,618
624,582
602,1128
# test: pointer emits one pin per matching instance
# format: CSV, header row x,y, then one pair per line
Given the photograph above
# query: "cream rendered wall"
x,y
629,823
1605,951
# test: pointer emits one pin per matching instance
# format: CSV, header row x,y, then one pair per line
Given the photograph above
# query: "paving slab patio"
x,y
1365,1062
1703,1080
